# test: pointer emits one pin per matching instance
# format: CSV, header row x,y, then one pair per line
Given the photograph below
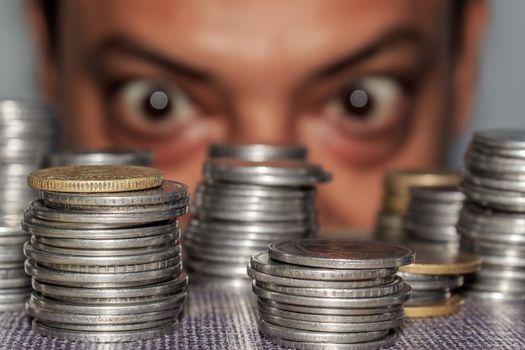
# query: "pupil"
x,y
357,102
157,104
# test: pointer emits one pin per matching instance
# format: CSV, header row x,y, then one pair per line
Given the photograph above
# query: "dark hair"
x,y
51,12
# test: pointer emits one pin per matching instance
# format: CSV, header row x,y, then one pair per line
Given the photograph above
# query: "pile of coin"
x,y
434,276
104,254
330,294
101,157
492,223
26,131
246,203
432,215
397,185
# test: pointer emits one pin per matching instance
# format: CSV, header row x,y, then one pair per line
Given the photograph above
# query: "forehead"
x,y
199,30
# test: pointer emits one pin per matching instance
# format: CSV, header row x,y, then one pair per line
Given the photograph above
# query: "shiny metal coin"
x,y
18,282
269,173
432,233
218,255
505,273
332,326
123,243
257,216
12,307
494,295
429,282
267,309
254,192
497,285
249,227
218,242
494,183
365,292
157,265
301,283
261,262
332,311
99,280
138,209
122,295
7,274
125,219
428,297
94,327
341,254
393,299
276,331
497,199
43,228
444,194
105,337
369,345
15,240
500,138
217,269
257,152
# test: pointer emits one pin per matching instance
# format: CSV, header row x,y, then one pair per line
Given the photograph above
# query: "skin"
x,y
267,72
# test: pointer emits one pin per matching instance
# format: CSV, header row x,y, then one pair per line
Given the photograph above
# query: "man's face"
x,y
365,85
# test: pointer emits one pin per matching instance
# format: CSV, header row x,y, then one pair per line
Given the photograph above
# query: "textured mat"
x,y
218,318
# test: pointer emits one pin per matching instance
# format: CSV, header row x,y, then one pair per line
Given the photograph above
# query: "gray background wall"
x,y
501,97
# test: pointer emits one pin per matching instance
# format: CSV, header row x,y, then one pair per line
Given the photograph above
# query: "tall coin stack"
x,y
330,294
430,224
104,253
492,223
246,203
101,157
397,185
26,131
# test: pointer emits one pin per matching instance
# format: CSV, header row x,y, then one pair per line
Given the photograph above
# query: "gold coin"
x,y
432,262
95,178
396,204
445,308
399,182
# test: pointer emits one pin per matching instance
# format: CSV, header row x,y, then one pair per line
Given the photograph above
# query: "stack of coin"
x,y
397,185
258,152
245,204
104,253
330,294
26,136
434,276
101,157
492,223
432,215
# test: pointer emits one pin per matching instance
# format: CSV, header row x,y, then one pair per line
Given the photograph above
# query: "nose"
x,y
259,118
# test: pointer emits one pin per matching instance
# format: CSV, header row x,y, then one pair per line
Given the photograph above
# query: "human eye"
x,y
368,104
152,107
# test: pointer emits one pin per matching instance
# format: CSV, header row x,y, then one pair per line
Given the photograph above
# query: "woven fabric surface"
x,y
226,318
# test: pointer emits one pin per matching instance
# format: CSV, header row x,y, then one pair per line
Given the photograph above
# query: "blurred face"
x,y
365,85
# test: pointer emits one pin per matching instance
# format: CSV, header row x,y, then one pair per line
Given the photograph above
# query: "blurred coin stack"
x,y
433,277
492,223
101,157
432,216
397,185
330,294
104,254
26,131
265,194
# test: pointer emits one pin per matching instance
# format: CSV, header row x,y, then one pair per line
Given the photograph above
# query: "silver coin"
x,y
477,147
227,252
254,192
17,282
301,283
48,316
393,299
12,307
432,219
226,243
369,345
125,219
17,240
445,194
269,173
261,262
271,330
235,238
257,152
6,274
102,157
433,233
111,327
204,255
122,243
252,215
491,236
123,294
99,280
428,297
43,228
68,258
498,285
430,282
341,254
39,302
332,326
249,227
502,138
105,337
333,311
157,265
253,202
479,294
507,273
498,199
365,292
181,204
499,184
265,308
217,269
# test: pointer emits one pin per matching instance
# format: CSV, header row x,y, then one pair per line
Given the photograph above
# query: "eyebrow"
x,y
125,45
393,37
